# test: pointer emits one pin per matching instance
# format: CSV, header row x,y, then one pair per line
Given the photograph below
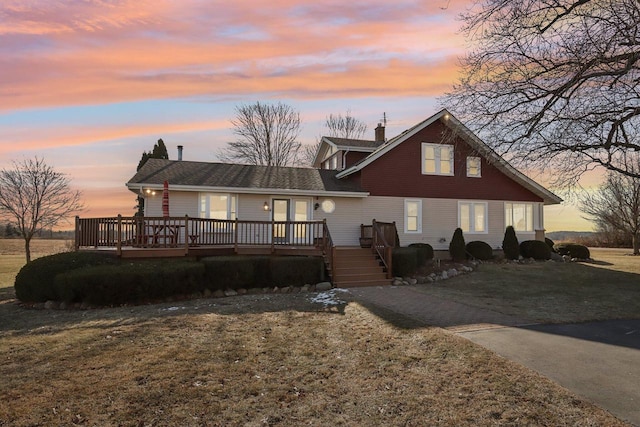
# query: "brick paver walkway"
x,y
432,311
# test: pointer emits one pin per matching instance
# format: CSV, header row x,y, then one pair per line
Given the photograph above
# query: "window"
x,y
472,217
218,206
473,167
412,216
437,159
519,215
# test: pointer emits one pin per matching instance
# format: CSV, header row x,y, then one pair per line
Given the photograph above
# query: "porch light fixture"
x,y
150,192
266,207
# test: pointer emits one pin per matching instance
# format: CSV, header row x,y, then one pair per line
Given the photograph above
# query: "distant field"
x,y
12,258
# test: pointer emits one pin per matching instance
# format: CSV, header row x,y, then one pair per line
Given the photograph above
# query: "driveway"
x,y
599,361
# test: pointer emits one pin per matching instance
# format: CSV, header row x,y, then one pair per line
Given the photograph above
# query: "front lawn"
x,y
606,288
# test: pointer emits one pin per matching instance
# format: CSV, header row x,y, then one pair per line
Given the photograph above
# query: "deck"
x,y
147,237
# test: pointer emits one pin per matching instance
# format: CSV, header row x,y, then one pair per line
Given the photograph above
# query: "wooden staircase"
x,y
358,267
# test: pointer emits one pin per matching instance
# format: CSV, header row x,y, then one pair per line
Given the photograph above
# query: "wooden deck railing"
x,y
383,240
172,232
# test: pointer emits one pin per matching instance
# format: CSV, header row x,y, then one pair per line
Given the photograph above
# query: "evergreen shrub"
x,y
479,250
535,249
510,245
550,243
424,252
457,249
296,270
573,250
404,260
35,281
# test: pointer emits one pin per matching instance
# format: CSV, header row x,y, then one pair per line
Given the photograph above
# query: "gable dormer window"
x,y
437,159
473,167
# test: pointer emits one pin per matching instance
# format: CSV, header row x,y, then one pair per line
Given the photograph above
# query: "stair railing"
x,y
380,244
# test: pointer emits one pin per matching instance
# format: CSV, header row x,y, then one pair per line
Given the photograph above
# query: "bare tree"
x,y
34,196
345,126
554,84
338,126
267,135
616,206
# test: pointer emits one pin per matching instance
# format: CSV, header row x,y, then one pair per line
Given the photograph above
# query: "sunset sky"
x,y
89,85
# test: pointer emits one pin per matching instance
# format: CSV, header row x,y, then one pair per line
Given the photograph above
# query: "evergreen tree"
x,y
159,152
510,245
457,247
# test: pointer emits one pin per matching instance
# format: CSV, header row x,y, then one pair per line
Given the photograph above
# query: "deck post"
x,y
273,235
186,235
235,239
389,256
77,234
119,236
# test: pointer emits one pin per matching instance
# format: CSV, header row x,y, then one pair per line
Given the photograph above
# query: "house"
x,y
429,180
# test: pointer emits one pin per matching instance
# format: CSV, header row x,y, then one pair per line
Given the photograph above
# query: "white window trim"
x,y
419,219
533,216
232,199
470,158
437,148
472,222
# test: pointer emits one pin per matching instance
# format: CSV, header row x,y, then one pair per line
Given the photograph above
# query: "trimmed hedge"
x,y
457,249
425,252
129,283
535,249
510,245
404,260
573,250
479,250
100,279
35,281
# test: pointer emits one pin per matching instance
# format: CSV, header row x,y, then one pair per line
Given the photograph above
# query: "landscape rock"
x,y
323,286
241,291
305,288
412,281
444,275
230,293
218,294
206,293
51,305
397,282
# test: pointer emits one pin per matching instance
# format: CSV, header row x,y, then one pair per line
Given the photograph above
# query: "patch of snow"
x,y
329,297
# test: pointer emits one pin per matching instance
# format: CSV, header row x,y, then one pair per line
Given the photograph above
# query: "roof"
x,y
449,120
352,143
196,176
345,144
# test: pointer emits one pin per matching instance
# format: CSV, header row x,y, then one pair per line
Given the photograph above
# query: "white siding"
x,y
181,203
439,216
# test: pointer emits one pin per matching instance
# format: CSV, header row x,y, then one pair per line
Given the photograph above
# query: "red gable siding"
x,y
399,173
354,157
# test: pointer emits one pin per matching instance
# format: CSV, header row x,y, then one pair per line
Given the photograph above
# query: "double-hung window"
x,y
413,216
472,217
519,216
437,159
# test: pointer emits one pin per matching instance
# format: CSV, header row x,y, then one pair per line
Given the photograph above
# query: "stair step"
x,y
367,276
357,269
362,283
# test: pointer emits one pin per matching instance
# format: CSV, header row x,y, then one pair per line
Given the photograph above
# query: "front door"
x,y
280,209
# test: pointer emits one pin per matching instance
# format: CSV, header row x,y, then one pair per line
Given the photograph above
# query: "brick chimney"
x,y
380,133
180,152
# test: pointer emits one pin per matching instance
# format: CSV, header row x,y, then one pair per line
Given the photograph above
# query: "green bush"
x,y
457,249
479,250
35,281
404,260
425,252
510,245
296,270
232,272
129,283
573,250
535,249
550,243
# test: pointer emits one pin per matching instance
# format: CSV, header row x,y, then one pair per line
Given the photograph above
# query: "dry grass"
x,y
261,360
551,292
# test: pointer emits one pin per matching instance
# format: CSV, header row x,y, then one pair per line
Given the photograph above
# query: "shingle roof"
x,y
225,175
